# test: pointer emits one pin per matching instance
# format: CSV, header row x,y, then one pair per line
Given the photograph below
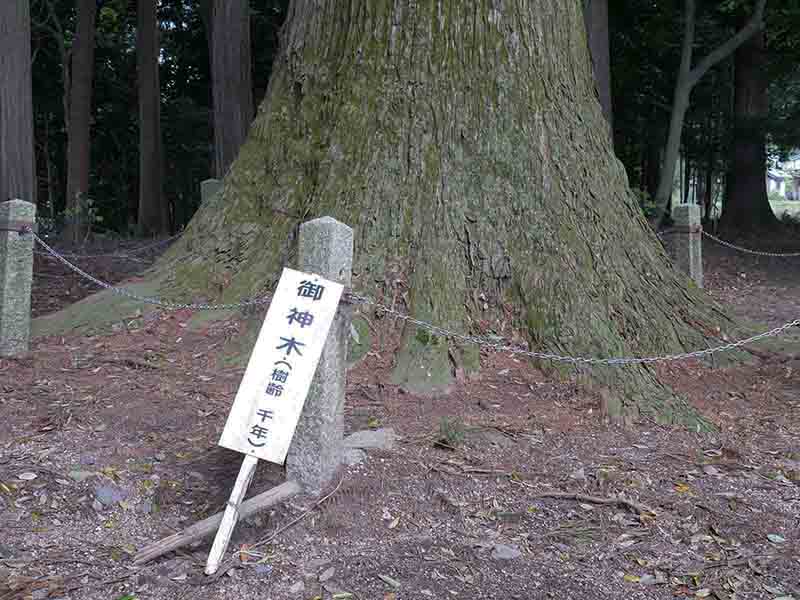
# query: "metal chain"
x,y
503,345
491,343
747,250
126,255
154,301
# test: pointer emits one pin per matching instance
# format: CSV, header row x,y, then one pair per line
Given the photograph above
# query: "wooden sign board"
x,y
273,389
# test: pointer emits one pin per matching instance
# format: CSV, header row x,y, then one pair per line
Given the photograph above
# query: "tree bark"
x,y
153,218
746,205
687,79
231,79
80,112
595,14
477,172
17,157
208,25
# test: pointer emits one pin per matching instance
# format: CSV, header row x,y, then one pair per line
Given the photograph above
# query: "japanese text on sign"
x,y
279,373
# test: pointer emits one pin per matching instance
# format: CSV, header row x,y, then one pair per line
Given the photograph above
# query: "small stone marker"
x,y
689,246
270,398
16,274
209,188
325,246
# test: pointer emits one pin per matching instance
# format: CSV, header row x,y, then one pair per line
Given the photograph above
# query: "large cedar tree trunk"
x,y
231,79
17,173
746,203
153,218
80,111
464,143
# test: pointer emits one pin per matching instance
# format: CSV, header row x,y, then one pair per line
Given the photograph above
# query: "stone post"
x,y
689,244
16,274
209,188
325,247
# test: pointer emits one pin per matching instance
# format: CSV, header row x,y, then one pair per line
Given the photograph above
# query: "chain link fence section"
x,y
120,291
748,250
504,346
493,344
130,254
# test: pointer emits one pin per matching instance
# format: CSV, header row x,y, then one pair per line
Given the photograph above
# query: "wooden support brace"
x,y
206,527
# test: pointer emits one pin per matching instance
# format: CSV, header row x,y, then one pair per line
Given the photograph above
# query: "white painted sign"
x,y
275,384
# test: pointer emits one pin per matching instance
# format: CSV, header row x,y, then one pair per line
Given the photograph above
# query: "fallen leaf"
x,y
704,593
27,476
631,578
772,589
389,581
682,488
110,472
775,538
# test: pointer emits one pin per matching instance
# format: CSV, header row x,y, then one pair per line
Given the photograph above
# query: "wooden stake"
x,y
231,514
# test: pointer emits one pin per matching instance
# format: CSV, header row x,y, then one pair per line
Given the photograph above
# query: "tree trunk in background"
x,y
595,14
746,204
208,25
687,79
17,157
153,218
231,79
80,116
687,176
653,165
50,170
477,173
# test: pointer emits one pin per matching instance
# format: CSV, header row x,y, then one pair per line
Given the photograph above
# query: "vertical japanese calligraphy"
x,y
279,373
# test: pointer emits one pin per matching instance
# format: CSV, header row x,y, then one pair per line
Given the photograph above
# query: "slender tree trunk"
x,y
17,156
653,164
687,176
153,218
746,205
51,179
208,25
457,149
596,16
708,187
687,79
80,113
231,79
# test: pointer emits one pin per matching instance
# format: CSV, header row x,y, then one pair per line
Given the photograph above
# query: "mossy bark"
x,y
463,141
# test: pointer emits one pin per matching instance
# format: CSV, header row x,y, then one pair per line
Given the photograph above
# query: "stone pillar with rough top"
x,y
325,247
209,188
16,274
689,242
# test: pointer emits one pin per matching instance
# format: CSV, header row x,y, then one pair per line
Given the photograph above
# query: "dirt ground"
x,y
109,443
